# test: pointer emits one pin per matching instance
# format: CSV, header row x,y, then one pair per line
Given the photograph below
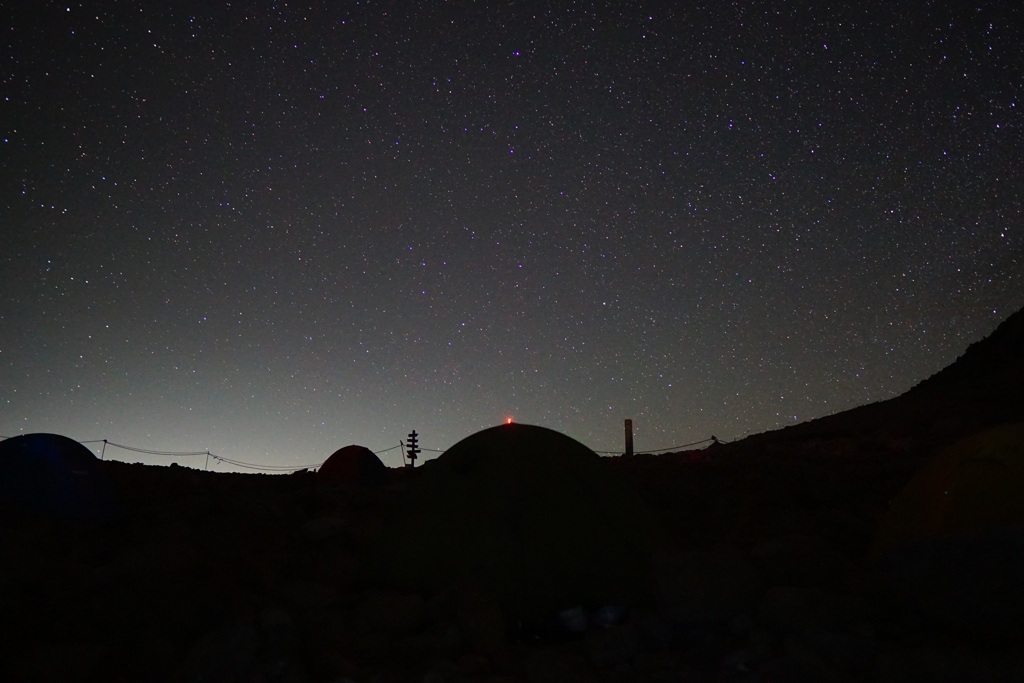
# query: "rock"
x,y
224,654
970,586
480,620
799,559
706,586
422,646
574,620
473,665
140,659
392,613
333,643
444,671
558,665
654,628
55,661
323,528
827,656
661,666
748,660
310,595
366,529
609,615
612,646
279,638
950,665
792,609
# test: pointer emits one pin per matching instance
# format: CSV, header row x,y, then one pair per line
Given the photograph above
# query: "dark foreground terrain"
x,y
829,551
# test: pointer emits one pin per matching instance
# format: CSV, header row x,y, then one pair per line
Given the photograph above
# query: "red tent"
x,y
353,465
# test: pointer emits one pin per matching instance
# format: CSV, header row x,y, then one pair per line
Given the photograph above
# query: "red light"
x,y
508,420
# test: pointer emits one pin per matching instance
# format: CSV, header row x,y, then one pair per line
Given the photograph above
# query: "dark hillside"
x,y
983,387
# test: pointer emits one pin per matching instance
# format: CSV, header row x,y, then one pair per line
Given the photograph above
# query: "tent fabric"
x,y
531,514
353,465
950,550
974,486
53,475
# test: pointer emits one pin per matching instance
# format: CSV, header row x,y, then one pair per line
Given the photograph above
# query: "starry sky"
x,y
272,229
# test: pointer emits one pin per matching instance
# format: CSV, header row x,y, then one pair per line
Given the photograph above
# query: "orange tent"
x,y
975,486
950,549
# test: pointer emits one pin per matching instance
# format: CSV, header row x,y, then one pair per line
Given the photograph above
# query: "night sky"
x,y
270,229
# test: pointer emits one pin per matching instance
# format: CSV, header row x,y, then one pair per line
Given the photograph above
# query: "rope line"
x,y
666,450
268,468
685,445
293,468
171,454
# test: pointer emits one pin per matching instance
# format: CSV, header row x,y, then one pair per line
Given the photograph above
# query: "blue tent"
x,y
55,476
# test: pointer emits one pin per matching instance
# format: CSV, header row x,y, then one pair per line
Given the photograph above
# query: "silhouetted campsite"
x,y
885,543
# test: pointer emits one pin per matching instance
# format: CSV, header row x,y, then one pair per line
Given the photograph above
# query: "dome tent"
x,y
530,514
950,549
53,475
353,465
973,486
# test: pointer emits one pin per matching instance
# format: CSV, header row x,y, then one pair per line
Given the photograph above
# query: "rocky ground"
x,y
230,577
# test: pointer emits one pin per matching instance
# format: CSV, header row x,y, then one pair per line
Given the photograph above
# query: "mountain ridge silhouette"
x,y
983,387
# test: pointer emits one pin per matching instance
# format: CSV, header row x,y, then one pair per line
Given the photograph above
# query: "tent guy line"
x,y
299,468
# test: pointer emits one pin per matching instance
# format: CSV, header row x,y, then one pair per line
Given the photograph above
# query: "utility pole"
x,y
412,448
629,438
